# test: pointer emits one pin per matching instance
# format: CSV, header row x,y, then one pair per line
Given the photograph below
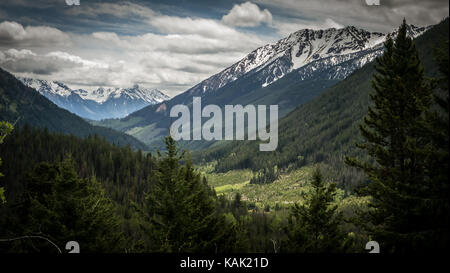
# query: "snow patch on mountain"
x,y
302,48
100,103
136,92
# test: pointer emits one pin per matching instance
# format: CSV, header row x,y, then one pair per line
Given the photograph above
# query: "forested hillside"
x,y
22,104
323,130
113,199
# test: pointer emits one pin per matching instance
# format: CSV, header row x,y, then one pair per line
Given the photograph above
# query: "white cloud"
x,y
75,60
173,62
247,15
12,33
176,53
180,43
187,25
106,36
330,23
27,61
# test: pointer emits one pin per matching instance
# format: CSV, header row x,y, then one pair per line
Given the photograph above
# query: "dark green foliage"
x,y
122,171
265,176
437,161
258,231
315,226
23,104
5,129
181,209
407,198
124,174
58,205
200,222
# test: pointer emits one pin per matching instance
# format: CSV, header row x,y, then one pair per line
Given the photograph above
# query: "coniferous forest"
x,y
384,178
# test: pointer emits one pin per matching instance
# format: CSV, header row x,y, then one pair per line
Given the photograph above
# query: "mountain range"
x,y
288,73
97,104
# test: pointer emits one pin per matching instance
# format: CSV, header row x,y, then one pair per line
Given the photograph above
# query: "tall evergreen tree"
x,y
314,226
181,209
396,139
438,156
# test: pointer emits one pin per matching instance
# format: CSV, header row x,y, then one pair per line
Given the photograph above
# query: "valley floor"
x,y
288,189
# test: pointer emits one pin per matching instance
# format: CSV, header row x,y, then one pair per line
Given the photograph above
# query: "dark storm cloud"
x,y
426,3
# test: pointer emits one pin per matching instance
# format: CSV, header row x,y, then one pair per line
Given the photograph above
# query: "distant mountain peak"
x,y
103,94
34,110
53,87
99,103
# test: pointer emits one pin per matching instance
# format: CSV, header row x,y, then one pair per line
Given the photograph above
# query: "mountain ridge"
x,y
361,40
99,103
300,66
325,129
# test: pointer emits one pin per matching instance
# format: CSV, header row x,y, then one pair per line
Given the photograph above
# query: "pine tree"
x,y
314,226
437,159
396,139
182,210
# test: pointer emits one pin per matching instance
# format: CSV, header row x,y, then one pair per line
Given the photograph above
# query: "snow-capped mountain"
x,y
97,104
309,52
102,95
288,73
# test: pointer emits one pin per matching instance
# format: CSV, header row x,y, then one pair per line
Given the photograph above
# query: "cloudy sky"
x,y
171,44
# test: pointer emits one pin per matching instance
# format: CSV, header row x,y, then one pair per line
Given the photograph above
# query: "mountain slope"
x,y
26,106
100,103
288,73
295,51
324,129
